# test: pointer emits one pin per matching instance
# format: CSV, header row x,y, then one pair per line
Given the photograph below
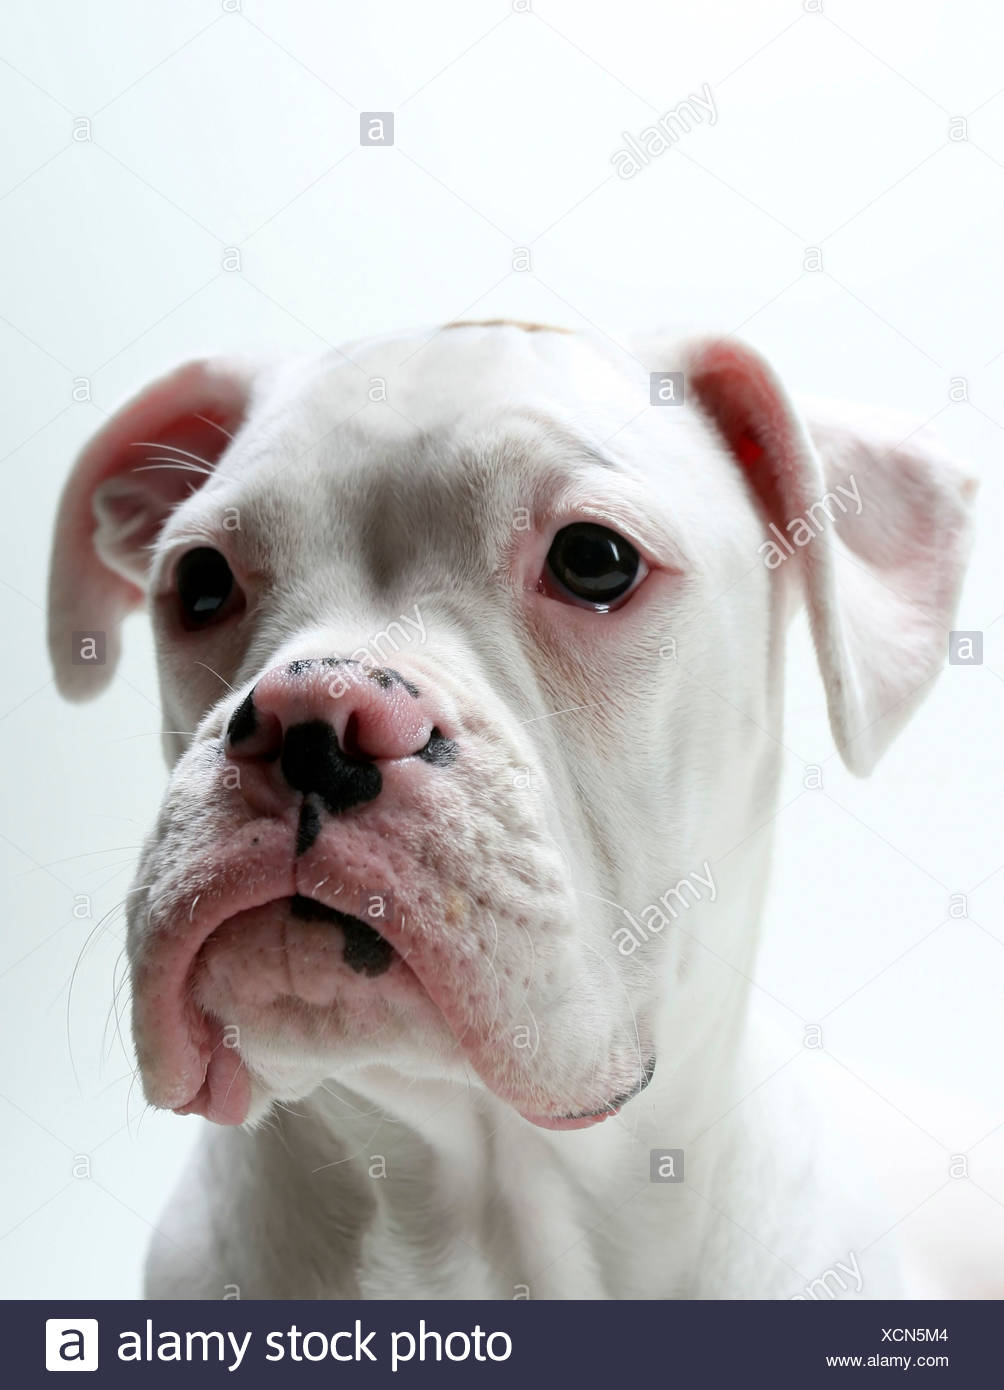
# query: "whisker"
x,y
286,1109
552,713
173,449
116,868
216,674
147,1107
91,937
113,1009
215,424
360,1114
164,464
349,1157
88,854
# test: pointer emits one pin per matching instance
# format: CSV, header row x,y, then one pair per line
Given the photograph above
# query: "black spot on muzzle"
x,y
439,751
365,950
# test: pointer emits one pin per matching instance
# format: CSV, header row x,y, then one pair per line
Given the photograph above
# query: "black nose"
x,y
312,761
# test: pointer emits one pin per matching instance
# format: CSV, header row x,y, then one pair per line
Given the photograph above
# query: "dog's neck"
x,y
442,1187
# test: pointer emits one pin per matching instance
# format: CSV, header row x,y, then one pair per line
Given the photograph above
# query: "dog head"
x,y
475,643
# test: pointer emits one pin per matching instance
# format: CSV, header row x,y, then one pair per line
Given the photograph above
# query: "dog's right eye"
x,y
206,587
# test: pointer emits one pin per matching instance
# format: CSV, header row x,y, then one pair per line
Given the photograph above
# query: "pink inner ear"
x,y
157,472
175,459
737,395
748,451
766,475
151,455
753,415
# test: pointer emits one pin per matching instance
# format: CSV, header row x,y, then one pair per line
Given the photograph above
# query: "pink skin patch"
x,y
226,1091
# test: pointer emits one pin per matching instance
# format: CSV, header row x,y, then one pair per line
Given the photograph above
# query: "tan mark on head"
x,y
508,323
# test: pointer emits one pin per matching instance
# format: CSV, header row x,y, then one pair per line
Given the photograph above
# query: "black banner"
x,y
561,1345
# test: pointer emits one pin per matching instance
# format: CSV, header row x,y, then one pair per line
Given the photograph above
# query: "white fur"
x,y
392,1169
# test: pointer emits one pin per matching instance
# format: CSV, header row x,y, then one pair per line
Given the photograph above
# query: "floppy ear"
x,y
150,456
874,517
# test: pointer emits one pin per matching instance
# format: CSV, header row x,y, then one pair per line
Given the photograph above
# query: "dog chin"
x,y
284,1081
280,1075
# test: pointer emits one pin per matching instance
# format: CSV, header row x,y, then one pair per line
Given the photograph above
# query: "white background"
x,y
212,129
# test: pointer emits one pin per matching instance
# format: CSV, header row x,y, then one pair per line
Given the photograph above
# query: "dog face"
x,y
473,647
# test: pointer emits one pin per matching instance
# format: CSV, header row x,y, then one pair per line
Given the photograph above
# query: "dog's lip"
x,y
566,1122
588,1118
220,1088
305,908
374,953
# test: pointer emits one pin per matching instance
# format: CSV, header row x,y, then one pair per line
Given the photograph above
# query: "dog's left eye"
x,y
205,586
593,563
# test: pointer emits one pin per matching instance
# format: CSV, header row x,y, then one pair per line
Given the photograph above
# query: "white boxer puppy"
x,y
447,918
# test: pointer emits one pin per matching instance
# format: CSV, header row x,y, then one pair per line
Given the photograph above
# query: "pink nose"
x,y
328,728
373,714
324,727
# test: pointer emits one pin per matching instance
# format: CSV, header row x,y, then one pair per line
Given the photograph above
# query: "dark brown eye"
x,y
205,585
592,562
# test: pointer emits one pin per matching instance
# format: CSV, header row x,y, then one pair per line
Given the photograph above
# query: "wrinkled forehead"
x,y
457,441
